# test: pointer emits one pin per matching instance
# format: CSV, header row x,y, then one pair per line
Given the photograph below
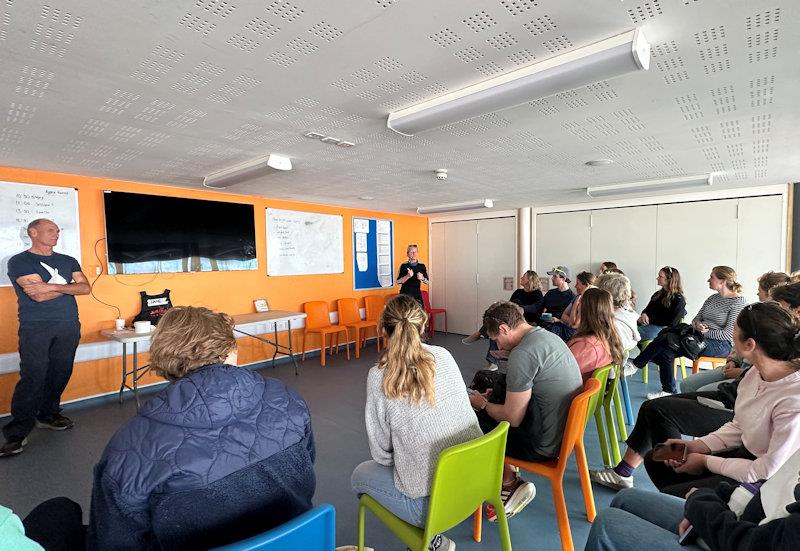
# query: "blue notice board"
x,y
373,253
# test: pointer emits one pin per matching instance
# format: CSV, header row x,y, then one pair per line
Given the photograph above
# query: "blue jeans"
x,y
377,481
693,383
638,519
649,332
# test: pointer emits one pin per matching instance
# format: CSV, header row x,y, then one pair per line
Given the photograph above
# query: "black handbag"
x,y
684,340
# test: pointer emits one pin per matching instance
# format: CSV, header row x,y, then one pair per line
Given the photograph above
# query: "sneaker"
x,y
441,543
659,394
55,422
476,336
515,497
629,369
491,367
12,447
610,479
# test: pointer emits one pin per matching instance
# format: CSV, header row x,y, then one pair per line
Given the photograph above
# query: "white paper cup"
x,y
119,324
141,326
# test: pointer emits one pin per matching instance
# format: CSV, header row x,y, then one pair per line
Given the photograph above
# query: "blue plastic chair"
x,y
314,530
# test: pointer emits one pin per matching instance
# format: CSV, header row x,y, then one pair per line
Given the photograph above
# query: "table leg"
x,y
124,370
291,350
275,334
135,376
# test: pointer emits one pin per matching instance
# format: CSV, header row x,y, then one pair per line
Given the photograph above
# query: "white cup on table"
x,y
141,326
119,324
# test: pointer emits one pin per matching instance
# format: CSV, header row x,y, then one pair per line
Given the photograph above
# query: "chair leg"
x,y
445,323
502,526
322,349
613,436
347,346
361,526
602,436
562,516
623,430
626,401
358,343
683,367
645,372
303,355
477,524
586,483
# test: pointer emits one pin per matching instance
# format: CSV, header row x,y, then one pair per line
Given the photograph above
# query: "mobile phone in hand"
x,y
688,536
676,451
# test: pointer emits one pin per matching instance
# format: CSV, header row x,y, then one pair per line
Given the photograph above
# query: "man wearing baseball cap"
x,y
556,300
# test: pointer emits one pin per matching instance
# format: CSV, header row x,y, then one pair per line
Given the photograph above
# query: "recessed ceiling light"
x,y
366,197
314,135
600,162
330,139
345,144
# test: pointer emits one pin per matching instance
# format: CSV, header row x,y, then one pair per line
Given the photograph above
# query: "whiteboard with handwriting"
x,y
304,243
20,204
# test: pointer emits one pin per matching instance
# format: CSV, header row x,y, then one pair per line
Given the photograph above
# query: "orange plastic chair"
x,y
432,312
351,319
374,304
554,470
318,321
715,362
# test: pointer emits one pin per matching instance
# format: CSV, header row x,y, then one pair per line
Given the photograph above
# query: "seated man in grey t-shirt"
x,y
542,379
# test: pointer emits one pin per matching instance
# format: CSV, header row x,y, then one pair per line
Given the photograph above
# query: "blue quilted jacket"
x,y
217,456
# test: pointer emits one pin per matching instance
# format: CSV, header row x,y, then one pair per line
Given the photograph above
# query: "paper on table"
x,y
360,225
361,242
362,261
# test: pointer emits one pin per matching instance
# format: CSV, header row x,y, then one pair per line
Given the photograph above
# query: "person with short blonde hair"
x,y
416,407
216,434
412,274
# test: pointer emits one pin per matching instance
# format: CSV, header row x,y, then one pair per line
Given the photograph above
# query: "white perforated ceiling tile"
x,y
167,92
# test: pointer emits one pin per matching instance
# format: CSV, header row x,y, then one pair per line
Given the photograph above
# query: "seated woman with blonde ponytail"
x,y
416,407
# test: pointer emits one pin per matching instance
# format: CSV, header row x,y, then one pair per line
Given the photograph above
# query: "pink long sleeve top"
x,y
766,422
590,353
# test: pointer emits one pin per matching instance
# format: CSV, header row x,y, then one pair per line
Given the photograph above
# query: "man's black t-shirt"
x,y
526,298
55,268
412,285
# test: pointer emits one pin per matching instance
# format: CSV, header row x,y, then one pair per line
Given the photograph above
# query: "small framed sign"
x,y
261,305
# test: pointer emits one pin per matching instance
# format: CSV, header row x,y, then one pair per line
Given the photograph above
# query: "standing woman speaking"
x,y
412,275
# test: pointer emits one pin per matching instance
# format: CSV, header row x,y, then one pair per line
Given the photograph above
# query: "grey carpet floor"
x,y
60,464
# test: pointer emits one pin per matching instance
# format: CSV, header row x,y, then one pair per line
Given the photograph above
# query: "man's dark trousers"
x,y
46,354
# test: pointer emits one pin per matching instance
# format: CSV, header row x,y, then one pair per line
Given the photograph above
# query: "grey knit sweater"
x,y
410,436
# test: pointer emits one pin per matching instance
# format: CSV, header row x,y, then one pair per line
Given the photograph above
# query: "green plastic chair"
x,y
611,407
594,410
466,476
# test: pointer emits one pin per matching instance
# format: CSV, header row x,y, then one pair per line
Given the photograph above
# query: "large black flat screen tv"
x,y
151,234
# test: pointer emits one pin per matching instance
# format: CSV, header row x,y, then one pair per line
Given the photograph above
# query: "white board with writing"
x,y
20,204
303,243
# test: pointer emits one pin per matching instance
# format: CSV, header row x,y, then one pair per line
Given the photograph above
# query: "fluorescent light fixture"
x,y
609,58
452,207
246,171
666,184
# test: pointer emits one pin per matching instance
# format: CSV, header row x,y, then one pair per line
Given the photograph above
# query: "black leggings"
x,y
673,416
57,525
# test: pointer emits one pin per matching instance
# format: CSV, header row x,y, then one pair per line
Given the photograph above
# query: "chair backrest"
x,y
317,314
466,475
426,301
314,530
576,420
601,375
348,311
373,304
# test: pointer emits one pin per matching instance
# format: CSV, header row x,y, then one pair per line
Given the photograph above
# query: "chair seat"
x,y
362,324
326,329
437,311
543,468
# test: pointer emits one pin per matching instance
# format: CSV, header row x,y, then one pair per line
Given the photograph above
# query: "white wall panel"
x,y
461,294
562,239
628,237
496,260
760,232
438,268
695,237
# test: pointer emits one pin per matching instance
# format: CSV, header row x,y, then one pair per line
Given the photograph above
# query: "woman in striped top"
x,y
715,321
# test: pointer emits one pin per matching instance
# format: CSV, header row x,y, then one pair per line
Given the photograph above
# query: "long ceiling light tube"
x,y
666,184
453,207
609,58
246,171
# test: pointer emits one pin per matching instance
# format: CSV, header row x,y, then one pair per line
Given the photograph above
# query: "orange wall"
x,y
232,292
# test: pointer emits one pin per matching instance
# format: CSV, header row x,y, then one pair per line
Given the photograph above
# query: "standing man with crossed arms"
x,y
49,332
